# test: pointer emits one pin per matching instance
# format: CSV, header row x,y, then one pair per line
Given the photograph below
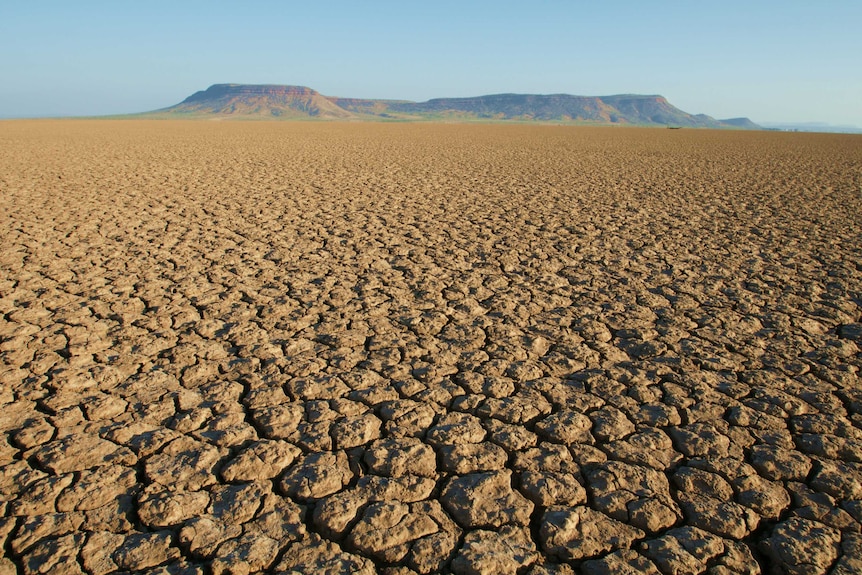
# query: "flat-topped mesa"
x,y
217,91
259,100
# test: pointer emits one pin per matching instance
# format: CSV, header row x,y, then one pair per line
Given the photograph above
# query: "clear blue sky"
x,y
769,60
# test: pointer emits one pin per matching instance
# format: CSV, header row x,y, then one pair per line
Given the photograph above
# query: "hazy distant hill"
x,y
273,101
744,123
812,127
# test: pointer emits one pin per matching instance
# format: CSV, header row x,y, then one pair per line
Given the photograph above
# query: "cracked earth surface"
x,y
304,347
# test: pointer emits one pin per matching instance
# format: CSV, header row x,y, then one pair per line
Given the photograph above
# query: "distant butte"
x,y
270,101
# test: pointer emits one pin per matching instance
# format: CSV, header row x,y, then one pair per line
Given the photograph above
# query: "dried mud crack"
x,y
289,347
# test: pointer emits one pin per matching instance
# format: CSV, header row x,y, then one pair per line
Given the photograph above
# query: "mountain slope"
x,y
743,123
620,109
516,107
294,102
259,100
649,110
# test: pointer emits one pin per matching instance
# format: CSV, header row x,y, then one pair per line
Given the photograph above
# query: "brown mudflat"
x,y
308,347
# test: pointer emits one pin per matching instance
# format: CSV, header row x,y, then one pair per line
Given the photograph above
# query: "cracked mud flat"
x,y
288,347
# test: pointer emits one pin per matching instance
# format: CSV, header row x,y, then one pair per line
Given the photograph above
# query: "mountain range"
x,y
268,101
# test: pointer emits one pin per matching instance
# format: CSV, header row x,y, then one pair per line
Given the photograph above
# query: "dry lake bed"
x,y
271,347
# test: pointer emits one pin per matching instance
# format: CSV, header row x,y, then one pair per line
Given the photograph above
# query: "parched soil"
x,y
382,348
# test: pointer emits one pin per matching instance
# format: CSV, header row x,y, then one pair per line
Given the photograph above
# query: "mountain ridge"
x,y
276,101
259,99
